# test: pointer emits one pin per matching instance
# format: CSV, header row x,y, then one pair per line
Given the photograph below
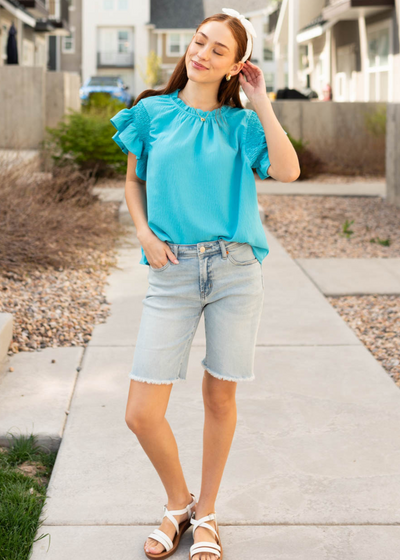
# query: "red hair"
x,y
228,93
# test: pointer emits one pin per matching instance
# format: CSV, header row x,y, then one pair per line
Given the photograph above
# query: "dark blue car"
x,y
113,85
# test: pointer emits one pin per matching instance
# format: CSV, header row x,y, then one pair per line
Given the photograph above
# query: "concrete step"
x,y
35,396
270,186
6,334
347,277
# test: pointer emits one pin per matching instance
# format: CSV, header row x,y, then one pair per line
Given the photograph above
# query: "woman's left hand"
x,y
255,84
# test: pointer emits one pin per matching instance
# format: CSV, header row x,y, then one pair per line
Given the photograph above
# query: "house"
x,y
349,46
119,35
173,23
116,40
38,26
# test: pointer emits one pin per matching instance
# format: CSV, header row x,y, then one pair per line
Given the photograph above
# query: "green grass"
x,y
25,469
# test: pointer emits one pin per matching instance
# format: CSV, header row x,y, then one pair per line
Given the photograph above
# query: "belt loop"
x,y
176,250
223,248
173,247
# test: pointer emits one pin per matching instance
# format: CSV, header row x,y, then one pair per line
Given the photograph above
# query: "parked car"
x,y
298,94
112,85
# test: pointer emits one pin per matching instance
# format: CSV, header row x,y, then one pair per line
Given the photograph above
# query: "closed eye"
x,y
219,54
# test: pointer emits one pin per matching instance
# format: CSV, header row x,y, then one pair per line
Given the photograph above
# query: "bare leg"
x,y
219,428
145,416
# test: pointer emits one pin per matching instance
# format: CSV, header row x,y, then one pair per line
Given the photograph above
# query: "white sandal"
x,y
205,546
163,538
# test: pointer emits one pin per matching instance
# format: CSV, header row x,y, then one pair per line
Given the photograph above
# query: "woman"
x,y
191,193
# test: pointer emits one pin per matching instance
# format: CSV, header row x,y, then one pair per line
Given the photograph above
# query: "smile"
x,y
198,66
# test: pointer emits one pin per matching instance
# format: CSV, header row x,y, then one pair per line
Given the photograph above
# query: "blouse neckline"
x,y
192,111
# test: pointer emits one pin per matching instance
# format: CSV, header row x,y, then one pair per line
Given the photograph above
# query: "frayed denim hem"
x,y
219,376
155,382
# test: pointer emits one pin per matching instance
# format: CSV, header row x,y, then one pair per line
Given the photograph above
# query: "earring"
x,y
228,77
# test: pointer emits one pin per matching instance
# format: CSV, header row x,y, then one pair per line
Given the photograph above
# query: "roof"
x,y
19,6
176,14
241,6
319,20
188,14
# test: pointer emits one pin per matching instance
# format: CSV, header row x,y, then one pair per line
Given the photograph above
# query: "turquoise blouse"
x,y
199,180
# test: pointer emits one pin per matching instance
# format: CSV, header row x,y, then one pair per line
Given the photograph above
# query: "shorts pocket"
x,y
242,254
166,265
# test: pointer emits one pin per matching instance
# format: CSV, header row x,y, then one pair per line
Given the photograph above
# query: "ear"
x,y
236,68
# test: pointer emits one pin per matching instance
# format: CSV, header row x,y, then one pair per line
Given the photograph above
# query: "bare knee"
x,y
141,421
147,405
219,396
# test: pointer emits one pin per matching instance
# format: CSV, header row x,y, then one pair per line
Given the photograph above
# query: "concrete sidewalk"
x,y
361,188
347,277
304,188
313,471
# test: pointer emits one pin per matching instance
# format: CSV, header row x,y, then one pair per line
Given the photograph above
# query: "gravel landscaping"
x,y
61,308
57,246
57,307
312,227
376,322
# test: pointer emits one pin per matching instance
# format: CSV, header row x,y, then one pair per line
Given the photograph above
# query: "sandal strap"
x,y
201,522
168,514
205,546
171,512
187,509
208,517
163,538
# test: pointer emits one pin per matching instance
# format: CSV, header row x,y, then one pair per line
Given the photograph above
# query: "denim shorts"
x,y
223,279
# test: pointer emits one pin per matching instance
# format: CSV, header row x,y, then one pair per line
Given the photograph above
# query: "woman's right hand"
x,y
157,252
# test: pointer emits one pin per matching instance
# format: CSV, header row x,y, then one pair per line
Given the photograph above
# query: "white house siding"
x,y
106,25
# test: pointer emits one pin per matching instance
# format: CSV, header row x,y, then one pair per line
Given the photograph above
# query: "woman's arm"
x,y
136,199
283,157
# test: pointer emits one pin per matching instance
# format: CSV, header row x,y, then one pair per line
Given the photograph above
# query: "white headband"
x,y
249,29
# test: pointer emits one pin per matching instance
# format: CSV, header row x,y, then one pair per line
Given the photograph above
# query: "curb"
x,y
6,333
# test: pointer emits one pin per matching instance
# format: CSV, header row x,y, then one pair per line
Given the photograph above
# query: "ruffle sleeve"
x,y
132,134
255,145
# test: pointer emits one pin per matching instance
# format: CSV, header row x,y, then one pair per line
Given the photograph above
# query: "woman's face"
x,y
214,48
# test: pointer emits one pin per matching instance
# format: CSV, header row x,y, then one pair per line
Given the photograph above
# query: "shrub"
x,y
51,220
310,163
85,138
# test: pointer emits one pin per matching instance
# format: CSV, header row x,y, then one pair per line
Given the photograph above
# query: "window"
x,y
68,43
378,47
303,58
268,52
174,43
4,35
187,37
123,41
122,5
108,4
103,81
177,43
380,79
269,78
